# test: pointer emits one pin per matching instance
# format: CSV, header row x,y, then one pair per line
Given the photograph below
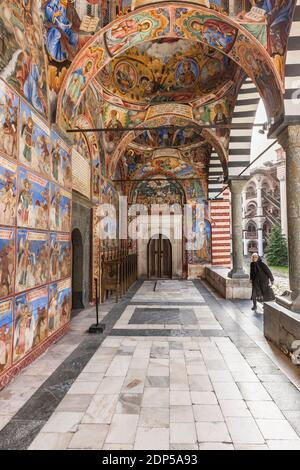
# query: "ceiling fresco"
x,y
158,192
166,70
206,46
167,137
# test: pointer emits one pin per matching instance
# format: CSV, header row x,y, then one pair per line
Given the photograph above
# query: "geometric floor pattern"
x,y
203,377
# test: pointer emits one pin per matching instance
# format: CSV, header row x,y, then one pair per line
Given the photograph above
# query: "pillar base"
x,y
289,300
239,274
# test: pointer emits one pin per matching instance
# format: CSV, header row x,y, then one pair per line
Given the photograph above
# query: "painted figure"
x,y
61,40
26,258
8,127
25,203
118,36
27,132
186,75
8,201
77,84
33,84
55,154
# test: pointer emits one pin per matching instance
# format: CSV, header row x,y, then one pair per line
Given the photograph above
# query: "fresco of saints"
x,y
8,127
27,132
33,84
6,273
62,37
25,261
8,201
120,35
186,75
5,349
77,84
25,203
23,331
55,154
53,314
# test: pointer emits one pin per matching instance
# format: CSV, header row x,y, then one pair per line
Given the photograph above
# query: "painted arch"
x,y
164,121
180,21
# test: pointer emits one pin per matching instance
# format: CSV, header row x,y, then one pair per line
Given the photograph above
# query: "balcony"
x,y
251,235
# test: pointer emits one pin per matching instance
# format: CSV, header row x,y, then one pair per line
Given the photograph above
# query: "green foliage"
x,y
277,248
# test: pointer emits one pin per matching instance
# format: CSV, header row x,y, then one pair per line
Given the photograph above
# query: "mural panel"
x,y
33,204
32,259
60,256
22,59
31,328
138,28
59,304
60,209
61,161
9,108
7,261
8,192
6,332
34,141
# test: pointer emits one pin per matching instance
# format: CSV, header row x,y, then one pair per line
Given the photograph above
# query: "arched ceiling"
x,y
131,34
165,70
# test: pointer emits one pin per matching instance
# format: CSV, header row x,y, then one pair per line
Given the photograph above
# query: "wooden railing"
x,y
118,272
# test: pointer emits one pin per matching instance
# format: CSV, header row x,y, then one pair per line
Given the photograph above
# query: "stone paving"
x,y
188,371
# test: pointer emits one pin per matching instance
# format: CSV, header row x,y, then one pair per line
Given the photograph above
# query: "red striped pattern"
x,y
220,227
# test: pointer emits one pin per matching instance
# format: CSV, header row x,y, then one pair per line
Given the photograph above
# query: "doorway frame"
x,y
159,236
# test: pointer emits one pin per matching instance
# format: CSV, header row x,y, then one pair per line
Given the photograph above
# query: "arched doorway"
x,y
77,270
159,257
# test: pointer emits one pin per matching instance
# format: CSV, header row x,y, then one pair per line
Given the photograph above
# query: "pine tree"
x,y
277,248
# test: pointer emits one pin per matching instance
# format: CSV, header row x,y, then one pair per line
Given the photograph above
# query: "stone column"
x,y
237,272
245,241
259,200
283,206
290,141
260,242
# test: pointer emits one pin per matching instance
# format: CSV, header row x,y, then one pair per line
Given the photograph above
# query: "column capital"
x,y
290,137
236,185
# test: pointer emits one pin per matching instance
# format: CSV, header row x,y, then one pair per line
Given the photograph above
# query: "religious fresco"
x,y
207,28
61,161
138,28
174,166
32,259
157,192
22,58
8,192
218,37
33,202
68,26
167,137
269,22
59,304
166,70
31,328
9,108
6,332
34,141
60,256
60,209
201,252
7,261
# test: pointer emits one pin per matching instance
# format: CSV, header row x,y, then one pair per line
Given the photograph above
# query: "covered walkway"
x,y
176,368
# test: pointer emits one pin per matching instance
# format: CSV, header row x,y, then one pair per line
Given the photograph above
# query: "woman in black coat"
x,y
260,276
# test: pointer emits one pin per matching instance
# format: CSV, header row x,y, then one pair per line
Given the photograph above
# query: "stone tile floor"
x,y
171,389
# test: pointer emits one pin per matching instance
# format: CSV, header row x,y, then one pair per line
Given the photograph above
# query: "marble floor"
x,y
176,368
